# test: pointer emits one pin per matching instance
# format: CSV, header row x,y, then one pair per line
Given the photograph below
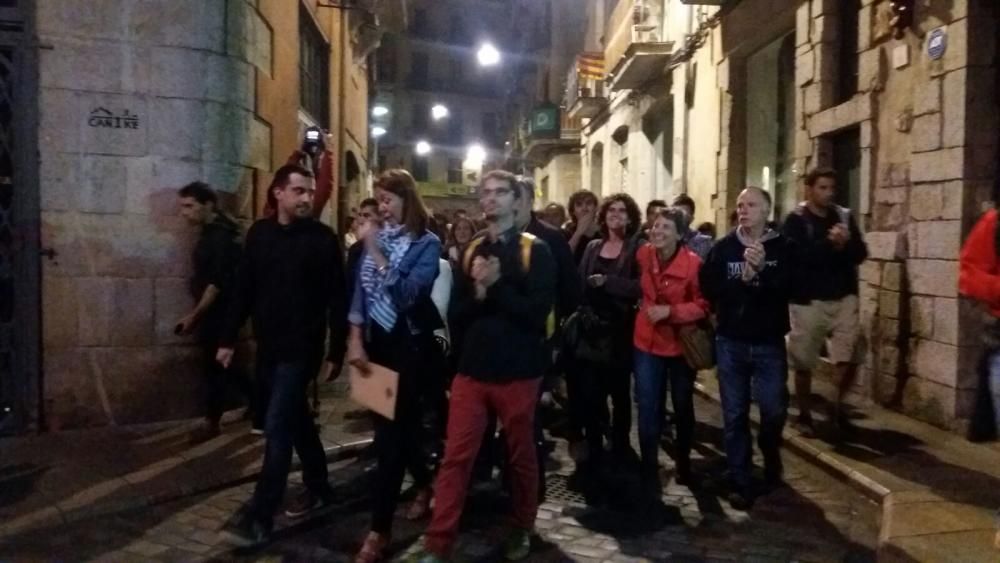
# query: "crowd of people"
x,y
484,319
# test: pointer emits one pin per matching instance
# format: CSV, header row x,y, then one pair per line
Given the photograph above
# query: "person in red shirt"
x,y
671,298
979,279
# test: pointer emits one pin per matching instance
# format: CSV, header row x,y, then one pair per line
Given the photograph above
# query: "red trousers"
x,y
514,403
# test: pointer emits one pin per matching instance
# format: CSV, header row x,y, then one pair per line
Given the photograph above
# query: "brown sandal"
x,y
373,549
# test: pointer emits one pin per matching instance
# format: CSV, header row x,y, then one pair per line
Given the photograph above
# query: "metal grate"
x,y
557,490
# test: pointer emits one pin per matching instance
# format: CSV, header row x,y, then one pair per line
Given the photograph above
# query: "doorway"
x,y
20,379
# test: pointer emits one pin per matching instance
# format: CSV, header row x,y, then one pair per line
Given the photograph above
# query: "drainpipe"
x,y
341,110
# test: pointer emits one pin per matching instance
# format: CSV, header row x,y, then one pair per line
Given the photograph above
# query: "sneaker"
x,y
740,500
306,503
805,425
517,546
246,531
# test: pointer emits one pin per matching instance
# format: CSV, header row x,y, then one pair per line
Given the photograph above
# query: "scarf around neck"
x,y
394,242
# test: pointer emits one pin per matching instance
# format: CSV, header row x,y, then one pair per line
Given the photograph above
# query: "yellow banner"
x,y
442,189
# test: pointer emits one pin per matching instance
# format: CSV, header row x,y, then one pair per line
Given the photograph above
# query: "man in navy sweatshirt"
x,y
747,278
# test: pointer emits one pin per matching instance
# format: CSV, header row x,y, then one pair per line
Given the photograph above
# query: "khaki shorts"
x,y
813,324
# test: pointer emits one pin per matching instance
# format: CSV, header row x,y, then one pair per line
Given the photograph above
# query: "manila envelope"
x,y
376,389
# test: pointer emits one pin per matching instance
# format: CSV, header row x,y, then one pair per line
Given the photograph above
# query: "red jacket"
x,y
979,273
677,286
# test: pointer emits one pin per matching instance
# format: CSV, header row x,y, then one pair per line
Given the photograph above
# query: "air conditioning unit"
x,y
639,12
645,34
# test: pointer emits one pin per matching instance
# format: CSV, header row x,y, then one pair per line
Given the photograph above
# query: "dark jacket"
x,y
569,286
291,282
502,337
755,312
824,273
215,259
621,286
354,254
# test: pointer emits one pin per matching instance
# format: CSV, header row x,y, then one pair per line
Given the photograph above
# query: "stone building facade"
x,y
758,92
135,99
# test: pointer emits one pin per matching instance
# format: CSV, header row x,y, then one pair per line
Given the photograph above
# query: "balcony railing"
x,y
585,90
634,35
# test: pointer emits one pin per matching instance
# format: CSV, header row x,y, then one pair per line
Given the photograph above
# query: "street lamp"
x,y
439,112
476,155
488,55
380,110
378,131
423,148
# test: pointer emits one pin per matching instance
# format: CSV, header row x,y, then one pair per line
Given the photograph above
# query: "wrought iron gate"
x,y
19,222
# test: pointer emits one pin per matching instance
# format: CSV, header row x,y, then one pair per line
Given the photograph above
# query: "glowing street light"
x,y
439,112
488,55
378,131
423,148
476,155
380,110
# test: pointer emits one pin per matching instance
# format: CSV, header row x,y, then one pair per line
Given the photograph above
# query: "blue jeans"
x,y
288,426
652,375
762,368
994,367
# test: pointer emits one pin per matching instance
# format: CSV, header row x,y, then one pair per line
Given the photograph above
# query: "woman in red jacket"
x,y
668,274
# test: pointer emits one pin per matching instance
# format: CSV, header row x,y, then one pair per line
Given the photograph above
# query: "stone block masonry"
x,y
137,99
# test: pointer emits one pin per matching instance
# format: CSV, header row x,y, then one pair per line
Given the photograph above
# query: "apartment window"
x,y
454,171
456,71
420,112
457,34
490,128
847,52
455,127
419,65
421,24
386,61
314,70
420,169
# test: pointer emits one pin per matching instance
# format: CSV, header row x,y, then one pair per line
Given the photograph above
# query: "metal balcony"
x,y
584,97
542,146
634,48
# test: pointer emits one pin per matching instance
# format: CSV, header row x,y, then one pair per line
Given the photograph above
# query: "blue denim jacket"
x,y
406,284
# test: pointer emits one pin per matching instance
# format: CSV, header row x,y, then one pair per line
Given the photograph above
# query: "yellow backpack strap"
x,y
470,253
527,241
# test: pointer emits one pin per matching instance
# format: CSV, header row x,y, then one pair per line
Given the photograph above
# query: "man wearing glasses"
x,y
500,305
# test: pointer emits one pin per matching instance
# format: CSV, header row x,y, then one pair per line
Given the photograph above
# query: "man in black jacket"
x,y
501,307
747,278
825,305
291,282
214,262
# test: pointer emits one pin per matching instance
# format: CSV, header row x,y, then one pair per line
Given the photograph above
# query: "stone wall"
x,y
137,99
927,130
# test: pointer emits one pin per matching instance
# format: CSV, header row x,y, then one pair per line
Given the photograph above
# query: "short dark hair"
x,y
281,178
686,201
817,173
677,216
503,176
200,192
368,202
401,183
631,208
577,198
655,203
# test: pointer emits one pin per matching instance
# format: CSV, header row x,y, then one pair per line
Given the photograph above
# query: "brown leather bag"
x,y
698,341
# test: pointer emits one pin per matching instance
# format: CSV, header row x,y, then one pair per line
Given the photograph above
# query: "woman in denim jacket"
x,y
392,322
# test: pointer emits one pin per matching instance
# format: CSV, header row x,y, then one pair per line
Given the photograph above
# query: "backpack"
x,y
526,242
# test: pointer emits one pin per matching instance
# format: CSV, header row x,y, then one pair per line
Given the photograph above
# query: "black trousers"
x,y
399,443
218,380
594,383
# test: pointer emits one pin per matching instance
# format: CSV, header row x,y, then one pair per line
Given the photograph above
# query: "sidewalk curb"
x,y
836,468
334,454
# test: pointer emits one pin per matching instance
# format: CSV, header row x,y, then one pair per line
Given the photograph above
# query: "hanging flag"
x,y
590,65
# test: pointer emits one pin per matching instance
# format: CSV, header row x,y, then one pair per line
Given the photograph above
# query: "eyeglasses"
x,y
496,192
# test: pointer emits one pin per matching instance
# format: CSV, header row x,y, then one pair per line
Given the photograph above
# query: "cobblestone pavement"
x,y
814,519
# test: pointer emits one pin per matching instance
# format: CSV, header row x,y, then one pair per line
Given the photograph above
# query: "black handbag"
x,y
587,337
